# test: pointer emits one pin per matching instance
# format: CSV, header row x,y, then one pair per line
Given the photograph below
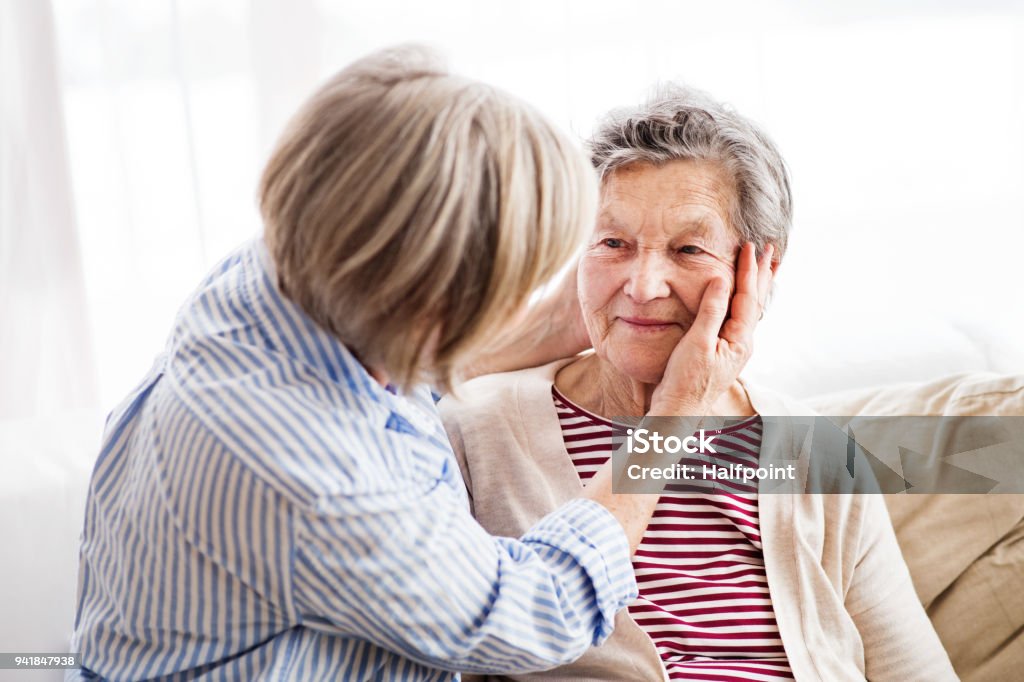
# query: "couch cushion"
x,y
965,552
959,394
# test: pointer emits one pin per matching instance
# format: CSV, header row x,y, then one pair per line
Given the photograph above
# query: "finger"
x,y
745,306
714,305
765,275
746,270
748,303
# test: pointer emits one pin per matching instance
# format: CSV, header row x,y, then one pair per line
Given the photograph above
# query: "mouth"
x,y
647,324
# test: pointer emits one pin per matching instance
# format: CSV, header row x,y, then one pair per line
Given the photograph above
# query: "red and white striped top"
x,y
700,567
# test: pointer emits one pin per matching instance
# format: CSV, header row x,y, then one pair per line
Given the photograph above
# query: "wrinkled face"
x,y
662,234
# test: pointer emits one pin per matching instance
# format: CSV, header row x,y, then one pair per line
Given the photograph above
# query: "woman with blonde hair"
x,y
278,500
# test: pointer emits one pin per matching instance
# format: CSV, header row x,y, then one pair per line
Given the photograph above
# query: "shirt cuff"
x,y
590,534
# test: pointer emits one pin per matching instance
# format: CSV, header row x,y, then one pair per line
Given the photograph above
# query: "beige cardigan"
x,y
843,598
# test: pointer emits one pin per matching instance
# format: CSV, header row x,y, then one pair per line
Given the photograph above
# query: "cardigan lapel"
x,y
779,536
542,431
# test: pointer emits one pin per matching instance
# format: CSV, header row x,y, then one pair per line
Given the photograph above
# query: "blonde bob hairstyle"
x,y
412,212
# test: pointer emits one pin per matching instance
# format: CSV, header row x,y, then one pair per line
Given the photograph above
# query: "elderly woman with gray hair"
x,y
733,585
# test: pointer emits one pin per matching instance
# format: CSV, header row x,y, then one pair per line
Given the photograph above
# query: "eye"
x,y
691,250
613,243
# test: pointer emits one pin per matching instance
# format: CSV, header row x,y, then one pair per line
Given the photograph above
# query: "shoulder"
x,y
480,401
308,437
770,403
494,399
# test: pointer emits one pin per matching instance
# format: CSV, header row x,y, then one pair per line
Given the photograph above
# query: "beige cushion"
x,y
959,394
965,552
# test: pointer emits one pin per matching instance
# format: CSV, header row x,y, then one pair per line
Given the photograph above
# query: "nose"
x,y
648,279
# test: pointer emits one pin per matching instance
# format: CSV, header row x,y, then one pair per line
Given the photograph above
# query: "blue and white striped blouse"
x,y
263,509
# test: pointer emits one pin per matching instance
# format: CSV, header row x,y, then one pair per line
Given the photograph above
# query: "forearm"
x,y
553,594
551,329
633,510
449,595
534,343
578,570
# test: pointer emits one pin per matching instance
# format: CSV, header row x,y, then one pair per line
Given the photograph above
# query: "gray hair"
x,y
680,123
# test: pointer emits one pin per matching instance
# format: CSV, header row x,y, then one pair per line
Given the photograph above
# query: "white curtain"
x,y
48,394
899,121
46,359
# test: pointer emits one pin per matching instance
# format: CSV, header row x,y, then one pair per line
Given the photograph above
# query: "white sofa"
x,y
44,474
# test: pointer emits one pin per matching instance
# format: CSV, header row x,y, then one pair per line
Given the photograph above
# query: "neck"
x,y
594,384
597,386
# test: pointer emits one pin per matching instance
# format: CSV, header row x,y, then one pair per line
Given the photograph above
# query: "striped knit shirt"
x,y
262,509
704,598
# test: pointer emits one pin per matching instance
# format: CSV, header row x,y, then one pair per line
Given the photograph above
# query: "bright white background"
x,y
901,123
134,132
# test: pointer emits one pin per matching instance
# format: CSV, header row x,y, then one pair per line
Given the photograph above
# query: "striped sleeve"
x,y
263,509
425,580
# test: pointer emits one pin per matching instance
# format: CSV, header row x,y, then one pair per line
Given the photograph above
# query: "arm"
x,y
899,640
552,328
415,574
